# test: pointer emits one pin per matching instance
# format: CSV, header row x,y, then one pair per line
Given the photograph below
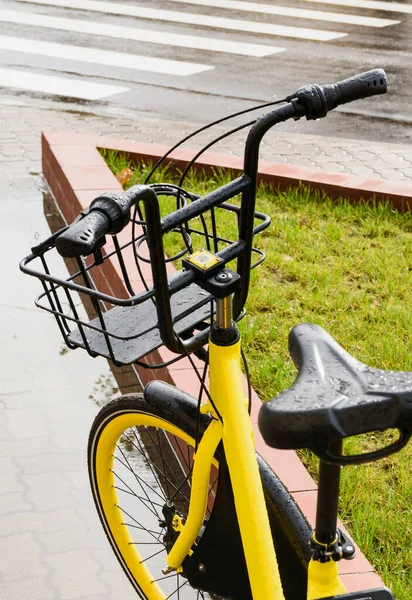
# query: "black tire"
x,y
165,430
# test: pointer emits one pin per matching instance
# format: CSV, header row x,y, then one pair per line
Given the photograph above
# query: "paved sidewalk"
x,y
50,540
21,126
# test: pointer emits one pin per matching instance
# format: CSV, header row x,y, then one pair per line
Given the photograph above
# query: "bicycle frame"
x,y
234,428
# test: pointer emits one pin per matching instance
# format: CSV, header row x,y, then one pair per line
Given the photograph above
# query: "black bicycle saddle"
x,y
333,396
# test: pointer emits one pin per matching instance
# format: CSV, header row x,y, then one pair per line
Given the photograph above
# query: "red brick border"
x,y
76,174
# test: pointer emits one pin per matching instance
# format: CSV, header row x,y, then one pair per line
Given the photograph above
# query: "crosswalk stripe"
x,y
395,7
139,34
102,57
143,12
286,11
62,86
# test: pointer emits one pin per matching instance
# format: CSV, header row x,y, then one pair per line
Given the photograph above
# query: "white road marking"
x,y
369,4
151,36
62,86
143,12
286,11
102,57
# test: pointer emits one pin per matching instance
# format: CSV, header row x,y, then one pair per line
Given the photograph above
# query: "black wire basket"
x,y
109,305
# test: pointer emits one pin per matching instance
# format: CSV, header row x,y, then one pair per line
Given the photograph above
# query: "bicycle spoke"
x,y
140,480
149,462
179,489
164,466
143,500
145,543
187,462
159,451
133,493
179,588
152,510
143,529
162,474
152,555
165,577
134,473
135,520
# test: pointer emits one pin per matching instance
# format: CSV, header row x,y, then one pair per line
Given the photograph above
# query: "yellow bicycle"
x,y
189,508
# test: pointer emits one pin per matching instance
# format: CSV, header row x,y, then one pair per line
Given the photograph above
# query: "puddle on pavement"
x,y
104,389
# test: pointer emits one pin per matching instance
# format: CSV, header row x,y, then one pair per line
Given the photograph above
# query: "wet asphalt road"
x,y
235,82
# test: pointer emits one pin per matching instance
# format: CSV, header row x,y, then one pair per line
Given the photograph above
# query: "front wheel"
x,y
140,459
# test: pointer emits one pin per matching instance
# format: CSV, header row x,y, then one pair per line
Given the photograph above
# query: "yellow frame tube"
x,y
237,435
226,389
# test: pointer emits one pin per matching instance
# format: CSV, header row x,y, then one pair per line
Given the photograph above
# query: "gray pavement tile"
x,y
62,463
12,502
116,584
11,150
48,493
78,480
6,136
27,185
333,167
35,588
392,174
24,448
29,139
47,521
21,558
10,476
66,440
75,537
6,375
13,167
106,560
75,574
84,504
25,424
408,173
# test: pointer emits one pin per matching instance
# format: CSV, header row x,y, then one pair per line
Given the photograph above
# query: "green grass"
x,y
347,268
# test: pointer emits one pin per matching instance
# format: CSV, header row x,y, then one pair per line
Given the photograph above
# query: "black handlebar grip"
x,y
117,206
109,213
370,83
81,238
318,100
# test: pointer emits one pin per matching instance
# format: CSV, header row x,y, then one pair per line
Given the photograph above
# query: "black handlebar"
x,y
109,213
318,100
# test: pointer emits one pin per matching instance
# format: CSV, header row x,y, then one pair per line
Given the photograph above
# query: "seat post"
x,y
328,499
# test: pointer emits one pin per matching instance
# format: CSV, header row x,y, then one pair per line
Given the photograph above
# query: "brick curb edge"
x,y
77,173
